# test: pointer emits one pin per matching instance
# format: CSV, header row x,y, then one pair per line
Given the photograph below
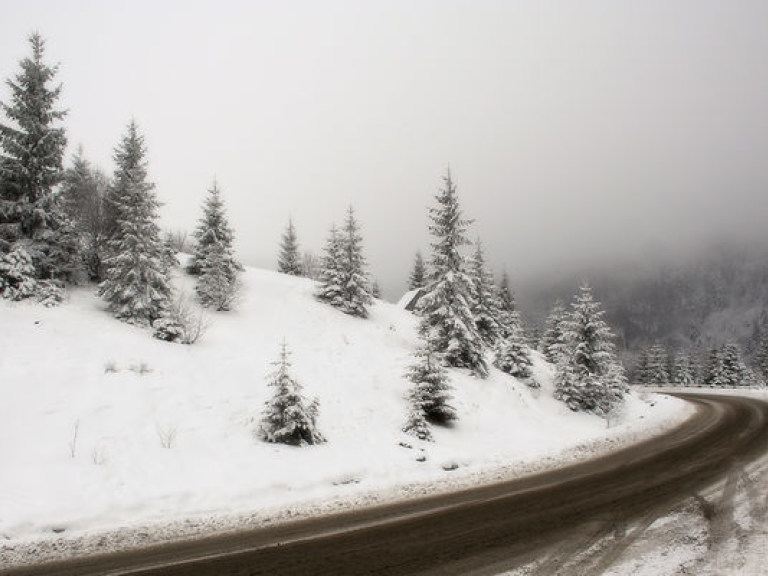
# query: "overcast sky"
x,y
575,130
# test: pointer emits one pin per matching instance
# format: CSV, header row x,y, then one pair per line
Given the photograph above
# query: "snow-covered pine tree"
x,y
589,377
552,343
446,306
214,260
418,277
136,285
514,358
17,274
431,391
329,288
640,371
356,288
713,371
485,304
658,359
344,282
762,355
217,285
509,317
734,371
288,418
682,374
32,145
289,259
212,227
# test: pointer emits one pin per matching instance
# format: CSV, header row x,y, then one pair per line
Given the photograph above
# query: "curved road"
x,y
485,530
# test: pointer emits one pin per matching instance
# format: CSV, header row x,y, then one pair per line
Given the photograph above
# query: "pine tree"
x,y
431,392
641,372
212,227
289,259
682,373
762,355
446,306
136,285
509,317
344,281
658,360
288,418
17,275
589,377
418,276
31,167
485,305
552,343
514,358
330,285
734,372
713,372
214,260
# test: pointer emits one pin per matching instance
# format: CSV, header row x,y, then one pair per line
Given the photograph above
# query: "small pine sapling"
x,y
288,418
431,391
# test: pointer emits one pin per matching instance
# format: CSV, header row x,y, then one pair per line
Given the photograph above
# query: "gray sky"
x,y
576,130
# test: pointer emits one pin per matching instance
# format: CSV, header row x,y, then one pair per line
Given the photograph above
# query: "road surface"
x,y
481,531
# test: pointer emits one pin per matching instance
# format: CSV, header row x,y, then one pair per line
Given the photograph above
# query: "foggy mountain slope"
x,y
718,296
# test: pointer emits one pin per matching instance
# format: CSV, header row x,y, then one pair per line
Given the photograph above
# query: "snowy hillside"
x,y
102,426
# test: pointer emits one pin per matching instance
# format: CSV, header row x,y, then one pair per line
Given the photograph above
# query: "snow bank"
x,y
109,437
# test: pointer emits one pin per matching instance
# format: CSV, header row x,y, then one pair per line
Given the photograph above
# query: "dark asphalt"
x,y
485,530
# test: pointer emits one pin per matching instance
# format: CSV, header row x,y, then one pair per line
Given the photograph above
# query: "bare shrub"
x,y
179,240
183,322
98,456
141,368
110,367
73,441
167,436
311,265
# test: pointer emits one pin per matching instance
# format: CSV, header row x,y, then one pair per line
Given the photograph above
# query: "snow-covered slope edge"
x,y
108,437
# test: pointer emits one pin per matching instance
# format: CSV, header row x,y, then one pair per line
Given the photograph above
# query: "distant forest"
x,y
720,296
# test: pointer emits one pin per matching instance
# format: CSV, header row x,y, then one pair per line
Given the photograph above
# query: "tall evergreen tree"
x,y
32,145
418,277
214,260
762,355
485,305
330,286
289,259
288,417
734,371
344,282
509,317
713,371
446,307
552,343
658,360
136,285
589,377
641,370
212,227
682,373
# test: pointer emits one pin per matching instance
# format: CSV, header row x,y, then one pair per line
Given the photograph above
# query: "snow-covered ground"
x,y
109,437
